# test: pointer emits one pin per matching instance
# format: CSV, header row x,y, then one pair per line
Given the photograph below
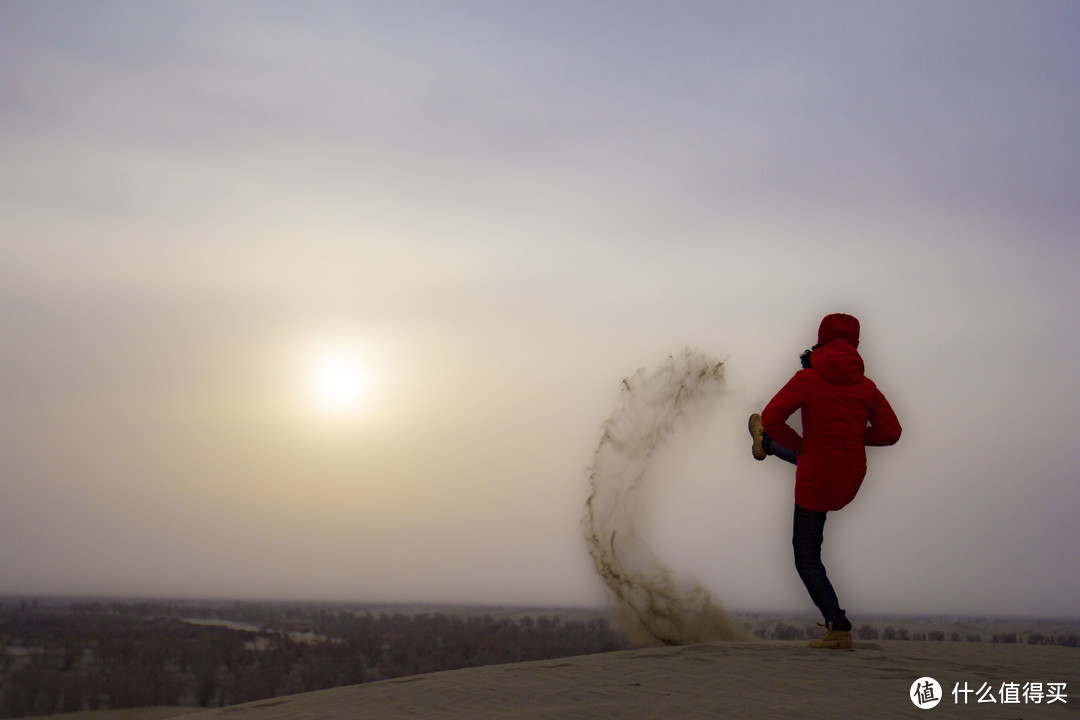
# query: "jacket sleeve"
x,y
775,415
883,427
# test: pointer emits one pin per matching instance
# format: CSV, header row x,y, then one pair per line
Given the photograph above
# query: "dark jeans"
x,y
774,448
807,535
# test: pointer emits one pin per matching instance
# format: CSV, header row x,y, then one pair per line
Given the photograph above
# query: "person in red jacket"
x,y
842,412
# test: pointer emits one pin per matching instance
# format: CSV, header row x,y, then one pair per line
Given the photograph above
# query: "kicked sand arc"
x,y
649,598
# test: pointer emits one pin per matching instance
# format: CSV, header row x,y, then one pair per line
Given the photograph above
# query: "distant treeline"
x,y
87,656
784,631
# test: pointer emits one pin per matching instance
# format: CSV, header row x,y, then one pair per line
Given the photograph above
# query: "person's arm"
x,y
883,428
775,415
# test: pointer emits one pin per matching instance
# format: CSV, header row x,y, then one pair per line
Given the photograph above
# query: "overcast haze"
x,y
492,212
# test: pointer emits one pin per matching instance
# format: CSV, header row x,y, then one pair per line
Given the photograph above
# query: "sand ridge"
x,y
716,680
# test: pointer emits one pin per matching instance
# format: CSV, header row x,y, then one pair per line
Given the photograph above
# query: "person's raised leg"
x,y
764,445
774,448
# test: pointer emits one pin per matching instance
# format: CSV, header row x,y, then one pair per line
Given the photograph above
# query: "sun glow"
x,y
340,384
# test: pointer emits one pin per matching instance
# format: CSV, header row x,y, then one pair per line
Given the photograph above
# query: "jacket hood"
x,y
838,362
839,326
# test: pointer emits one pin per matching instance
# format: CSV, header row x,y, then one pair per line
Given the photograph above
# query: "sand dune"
x,y
716,680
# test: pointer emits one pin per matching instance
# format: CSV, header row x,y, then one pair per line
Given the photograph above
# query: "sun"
x,y
339,383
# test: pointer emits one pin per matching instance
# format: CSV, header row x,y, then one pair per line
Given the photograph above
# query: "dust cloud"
x,y
655,604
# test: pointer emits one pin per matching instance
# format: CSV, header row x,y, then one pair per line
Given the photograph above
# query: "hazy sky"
x,y
494,211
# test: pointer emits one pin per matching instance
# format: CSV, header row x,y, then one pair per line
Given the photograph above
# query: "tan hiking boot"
x,y
757,431
834,639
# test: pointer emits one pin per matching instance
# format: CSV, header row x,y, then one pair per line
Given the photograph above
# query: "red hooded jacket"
x,y
842,413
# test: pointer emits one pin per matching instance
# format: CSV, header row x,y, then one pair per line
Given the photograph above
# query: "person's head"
x,y
839,326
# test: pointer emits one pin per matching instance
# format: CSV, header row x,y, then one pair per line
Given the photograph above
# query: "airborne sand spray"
x,y
656,604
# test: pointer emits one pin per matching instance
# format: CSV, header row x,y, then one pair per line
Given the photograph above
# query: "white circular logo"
x,y
925,693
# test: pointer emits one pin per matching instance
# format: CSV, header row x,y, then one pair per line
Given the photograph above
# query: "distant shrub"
x,y
788,632
937,635
889,633
867,632
1068,640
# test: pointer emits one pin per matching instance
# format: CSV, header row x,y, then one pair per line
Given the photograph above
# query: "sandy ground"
x,y
720,680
